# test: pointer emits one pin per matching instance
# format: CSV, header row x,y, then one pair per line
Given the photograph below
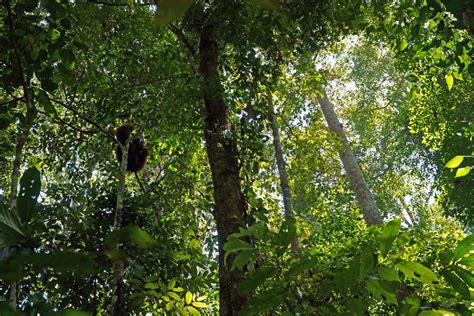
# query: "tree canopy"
x,y
304,157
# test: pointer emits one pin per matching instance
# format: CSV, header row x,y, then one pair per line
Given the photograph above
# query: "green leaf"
x,y
465,275
242,259
387,273
456,283
137,236
410,306
449,81
454,162
286,234
366,263
234,245
467,261
152,286
43,99
355,306
54,34
200,304
256,279
6,310
389,233
11,232
30,187
173,295
62,261
403,45
446,256
437,312
264,301
71,312
171,284
193,311
189,297
382,289
170,10
417,271
464,247
461,172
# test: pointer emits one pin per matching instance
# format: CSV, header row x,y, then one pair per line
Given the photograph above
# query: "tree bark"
x,y
23,135
117,301
364,197
284,184
230,208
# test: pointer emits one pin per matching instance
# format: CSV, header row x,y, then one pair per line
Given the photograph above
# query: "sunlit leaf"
x,y
200,305
454,162
193,311
403,45
437,312
201,298
449,81
417,271
171,284
173,295
54,34
464,247
461,172
188,297
389,233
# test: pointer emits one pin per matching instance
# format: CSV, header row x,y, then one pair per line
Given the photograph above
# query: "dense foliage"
x,y
249,203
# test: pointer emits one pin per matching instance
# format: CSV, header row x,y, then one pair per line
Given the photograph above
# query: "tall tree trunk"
x,y
366,201
25,131
284,185
117,301
230,208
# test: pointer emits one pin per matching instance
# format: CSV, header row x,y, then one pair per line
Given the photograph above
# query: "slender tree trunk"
x,y
364,197
284,184
25,131
117,301
230,208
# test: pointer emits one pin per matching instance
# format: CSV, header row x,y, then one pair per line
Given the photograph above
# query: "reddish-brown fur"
x,y
137,153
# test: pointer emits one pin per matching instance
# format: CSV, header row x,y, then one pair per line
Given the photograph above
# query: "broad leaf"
x,y
464,247
456,283
465,275
256,279
11,232
461,172
30,187
449,81
389,233
188,297
454,162
242,259
437,312
417,271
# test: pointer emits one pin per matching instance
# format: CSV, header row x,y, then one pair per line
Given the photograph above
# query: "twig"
x,y
88,120
57,119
